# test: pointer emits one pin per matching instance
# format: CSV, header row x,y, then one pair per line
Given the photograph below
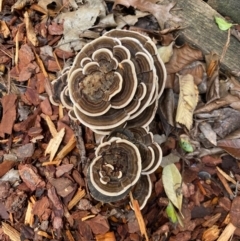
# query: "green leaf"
x,y
172,181
185,144
223,24
171,213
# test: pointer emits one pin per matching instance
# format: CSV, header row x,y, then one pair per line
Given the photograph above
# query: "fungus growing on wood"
x,y
115,81
123,162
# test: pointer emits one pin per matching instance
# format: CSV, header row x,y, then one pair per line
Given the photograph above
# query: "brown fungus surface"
x,y
123,162
115,81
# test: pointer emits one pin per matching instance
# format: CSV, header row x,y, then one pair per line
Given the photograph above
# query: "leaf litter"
x,y
198,118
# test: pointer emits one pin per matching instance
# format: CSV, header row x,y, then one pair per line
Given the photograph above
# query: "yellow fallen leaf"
x,y
166,52
187,102
172,181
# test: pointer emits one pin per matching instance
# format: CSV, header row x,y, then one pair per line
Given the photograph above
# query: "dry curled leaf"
x,y
82,19
187,102
227,121
213,77
160,12
182,56
208,132
231,146
222,102
197,69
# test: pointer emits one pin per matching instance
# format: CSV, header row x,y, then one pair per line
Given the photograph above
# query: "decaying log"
x,y
202,31
230,8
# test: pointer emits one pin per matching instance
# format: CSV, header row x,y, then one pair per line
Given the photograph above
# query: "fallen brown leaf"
x,y
160,12
182,56
231,146
222,102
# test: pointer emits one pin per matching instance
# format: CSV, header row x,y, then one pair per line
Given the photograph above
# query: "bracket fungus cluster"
x,y
123,162
113,87
115,81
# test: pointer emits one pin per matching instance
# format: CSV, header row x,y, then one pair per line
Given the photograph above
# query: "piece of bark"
x,y
30,177
98,224
63,185
16,202
25,151
28,123
46,107
229,8
63,169
109,236
40,206
5,166
9,114
84,231
13,234
3,211
203,32
55,199
4,189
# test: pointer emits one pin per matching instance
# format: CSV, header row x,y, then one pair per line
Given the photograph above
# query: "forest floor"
x,y
74,156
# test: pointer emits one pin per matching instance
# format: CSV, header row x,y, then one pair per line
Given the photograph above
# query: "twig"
x,y
225,46
9,81
5,52
225,184
139,216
